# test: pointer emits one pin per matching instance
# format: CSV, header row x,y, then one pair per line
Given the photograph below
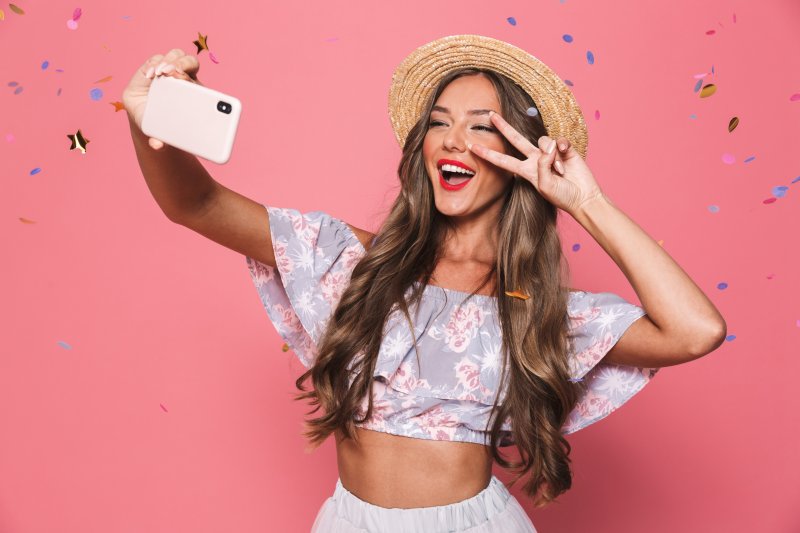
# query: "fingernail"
x,y
559,167
562,146
167,69
150,72
551,147
160,66
469,145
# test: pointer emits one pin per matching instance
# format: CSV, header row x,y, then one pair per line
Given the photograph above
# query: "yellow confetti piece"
x,y
285,347
107,78
26,221
517,294
2,15
16,9
708,90
201,42
733,123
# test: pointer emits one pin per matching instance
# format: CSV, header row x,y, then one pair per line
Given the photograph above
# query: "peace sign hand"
x,y
569,192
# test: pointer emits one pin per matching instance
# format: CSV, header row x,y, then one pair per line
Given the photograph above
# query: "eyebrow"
x,y
470,112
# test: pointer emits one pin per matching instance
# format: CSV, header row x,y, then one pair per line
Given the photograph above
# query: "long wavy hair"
x,y
539,394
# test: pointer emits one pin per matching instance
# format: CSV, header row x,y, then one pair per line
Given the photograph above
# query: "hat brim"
x,y
421,71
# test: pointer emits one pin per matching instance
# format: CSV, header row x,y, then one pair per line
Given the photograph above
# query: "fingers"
x,y
175,63
514,137
155,144
505,161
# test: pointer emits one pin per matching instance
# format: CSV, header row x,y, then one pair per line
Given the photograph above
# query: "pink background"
x,y
142,387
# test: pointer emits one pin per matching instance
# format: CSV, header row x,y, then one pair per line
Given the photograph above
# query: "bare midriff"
x,y
393,471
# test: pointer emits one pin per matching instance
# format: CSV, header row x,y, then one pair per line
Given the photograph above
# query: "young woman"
x,y
450,334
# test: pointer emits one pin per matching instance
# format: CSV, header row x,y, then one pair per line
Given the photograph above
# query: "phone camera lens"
x,y
224,107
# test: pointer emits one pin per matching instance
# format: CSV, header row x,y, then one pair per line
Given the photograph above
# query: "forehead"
x,y
468,92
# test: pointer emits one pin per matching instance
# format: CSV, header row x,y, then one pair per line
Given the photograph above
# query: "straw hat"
x,y
417,76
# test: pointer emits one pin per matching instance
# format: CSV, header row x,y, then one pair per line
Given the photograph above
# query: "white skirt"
x,y
493,510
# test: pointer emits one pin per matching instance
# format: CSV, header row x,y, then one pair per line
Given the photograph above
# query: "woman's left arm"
x,y
681,322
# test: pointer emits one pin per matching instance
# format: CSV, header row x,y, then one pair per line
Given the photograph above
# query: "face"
x,y
460,116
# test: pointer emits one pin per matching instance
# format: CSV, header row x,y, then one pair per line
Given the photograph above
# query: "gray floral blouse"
x,y
449,394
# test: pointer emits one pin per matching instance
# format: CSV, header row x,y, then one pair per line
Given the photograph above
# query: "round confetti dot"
x,y
567,38
722,285
713,208
728,159
590,57
45,65
779,191
532,111
36,171
576,247
72,24
729,338
96,94
512,21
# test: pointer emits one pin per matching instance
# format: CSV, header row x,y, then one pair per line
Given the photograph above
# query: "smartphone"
x,y
194,118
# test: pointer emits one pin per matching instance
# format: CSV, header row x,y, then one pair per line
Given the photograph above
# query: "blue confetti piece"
x,y
713,208
64,345
512,21
796,179
729,338
693,116
45,65
35,171
576,247
18,90
12,84
590,57
567,38
752,157
779,191
698,85
568,82
96,94
722,285
575,380
532,111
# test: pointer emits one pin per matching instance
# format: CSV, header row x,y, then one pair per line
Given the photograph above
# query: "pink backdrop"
x,y
142,387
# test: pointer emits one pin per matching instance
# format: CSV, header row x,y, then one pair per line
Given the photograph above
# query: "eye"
x,y
435,122
485,128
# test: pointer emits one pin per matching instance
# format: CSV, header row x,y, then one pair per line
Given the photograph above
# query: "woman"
x,y
450,333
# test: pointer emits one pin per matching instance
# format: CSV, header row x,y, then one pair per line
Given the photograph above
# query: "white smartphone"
x,y
192,117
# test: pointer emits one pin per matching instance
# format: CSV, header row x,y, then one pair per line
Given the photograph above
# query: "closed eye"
x,y
477,127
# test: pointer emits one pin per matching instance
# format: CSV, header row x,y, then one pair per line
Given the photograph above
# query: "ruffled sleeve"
x,y
315,256
598,320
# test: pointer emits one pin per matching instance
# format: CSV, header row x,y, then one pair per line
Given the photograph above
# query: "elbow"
x,y
710,341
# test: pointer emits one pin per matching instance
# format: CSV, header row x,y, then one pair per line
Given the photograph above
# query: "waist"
x,y
395,471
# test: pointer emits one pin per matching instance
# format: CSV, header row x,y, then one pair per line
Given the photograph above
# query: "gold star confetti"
x,y
78,141
118,106
2,15
201,43
732,124
517,294
16,10
26,221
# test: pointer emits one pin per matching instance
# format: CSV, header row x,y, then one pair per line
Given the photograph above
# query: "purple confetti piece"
x,y
567,38
796,179
64,345
576,247
35,171
729,338
45,64
590,57
713,208
779,191
512,21
751,158
96,94
722,285
76,14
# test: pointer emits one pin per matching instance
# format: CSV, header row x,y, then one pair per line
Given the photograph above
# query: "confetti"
x,y
567,38
201,43
597,114
795,97
517,294
76,14
64,345
590,57
16,10
96,94
9,137
164,408
118,106
708,90
749,159
78,141
512,21
212,57
729,338
103,80
728,159
575,380
285,347
45,64
722,285
779,191
26,221
532,111
733,123
576,247
35,171
71,24
713,208
2,15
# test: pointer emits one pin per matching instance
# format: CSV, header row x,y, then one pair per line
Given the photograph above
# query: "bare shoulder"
x,y
363,235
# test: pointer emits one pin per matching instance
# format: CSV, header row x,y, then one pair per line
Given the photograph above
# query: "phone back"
x,y
194,118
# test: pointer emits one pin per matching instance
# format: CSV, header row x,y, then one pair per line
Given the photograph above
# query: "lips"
x,y
453,162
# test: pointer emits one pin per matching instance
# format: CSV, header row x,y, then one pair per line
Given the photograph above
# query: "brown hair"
x,y
540,395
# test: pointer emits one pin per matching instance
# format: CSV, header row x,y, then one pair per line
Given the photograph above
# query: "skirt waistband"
x,y
473,511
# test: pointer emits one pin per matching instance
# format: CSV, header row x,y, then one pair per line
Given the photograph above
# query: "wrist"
x,y
590,207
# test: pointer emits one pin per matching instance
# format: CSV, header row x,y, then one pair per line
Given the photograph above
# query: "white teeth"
x,y
454,168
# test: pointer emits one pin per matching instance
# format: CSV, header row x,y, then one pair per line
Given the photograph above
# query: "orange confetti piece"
x,y
2,15
26,221
107,78
732,124
517,294
16,9
708,90
285,347
118,106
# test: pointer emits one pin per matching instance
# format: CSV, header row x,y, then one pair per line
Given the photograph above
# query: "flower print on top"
x,y
447,392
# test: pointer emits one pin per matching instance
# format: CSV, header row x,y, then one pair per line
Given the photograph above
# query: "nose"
x,y
454,139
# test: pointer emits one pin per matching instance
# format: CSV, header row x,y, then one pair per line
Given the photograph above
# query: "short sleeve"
x,y
315,255
598,320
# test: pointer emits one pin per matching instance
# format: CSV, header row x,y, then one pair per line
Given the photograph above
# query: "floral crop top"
x,y
448,396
